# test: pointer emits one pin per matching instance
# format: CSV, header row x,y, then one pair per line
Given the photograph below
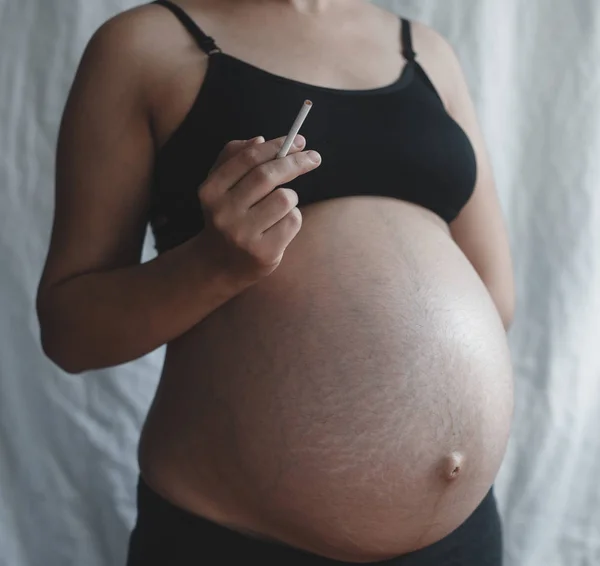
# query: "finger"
x,y
263,179
272,209
233,148
232,171
281,234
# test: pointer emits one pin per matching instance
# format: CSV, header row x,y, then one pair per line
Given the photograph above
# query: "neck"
x,y
309,6
301,6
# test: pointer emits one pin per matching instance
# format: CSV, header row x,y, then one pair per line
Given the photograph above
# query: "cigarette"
x,y
287,144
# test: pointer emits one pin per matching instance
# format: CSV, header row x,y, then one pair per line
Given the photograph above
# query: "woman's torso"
x,y
328,406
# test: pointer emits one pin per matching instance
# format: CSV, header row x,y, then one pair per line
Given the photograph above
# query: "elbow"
x,y
506,305
507,315
56,350
58,344
510,307
503,297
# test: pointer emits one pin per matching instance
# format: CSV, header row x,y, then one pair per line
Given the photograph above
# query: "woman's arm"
x,y
479,230
97,306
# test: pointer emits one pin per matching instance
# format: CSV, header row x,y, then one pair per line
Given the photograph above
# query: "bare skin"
x,y
366,411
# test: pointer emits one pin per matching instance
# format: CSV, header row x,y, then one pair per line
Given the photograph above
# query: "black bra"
x,y
396,141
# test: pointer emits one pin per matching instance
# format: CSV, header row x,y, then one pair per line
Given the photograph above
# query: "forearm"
x,y
105,319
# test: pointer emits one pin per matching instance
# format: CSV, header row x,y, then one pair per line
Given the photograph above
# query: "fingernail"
x,y
257,139
299,141
313,156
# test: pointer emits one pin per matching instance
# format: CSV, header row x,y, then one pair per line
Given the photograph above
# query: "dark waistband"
x,y
166,530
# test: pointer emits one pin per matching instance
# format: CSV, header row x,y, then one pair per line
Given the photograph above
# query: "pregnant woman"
x,y
337,387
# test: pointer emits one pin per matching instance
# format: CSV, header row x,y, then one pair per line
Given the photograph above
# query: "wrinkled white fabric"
x,y
68,444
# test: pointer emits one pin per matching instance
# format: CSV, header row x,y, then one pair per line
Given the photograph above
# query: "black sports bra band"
x,y
407,42
205,42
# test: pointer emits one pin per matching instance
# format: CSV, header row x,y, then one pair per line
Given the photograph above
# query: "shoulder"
x,y
432,46
130,34
141,41
424,36
138,48
434,53
436,56
439,59
431,39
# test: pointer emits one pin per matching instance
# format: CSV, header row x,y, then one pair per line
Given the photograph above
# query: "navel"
x,y
453,466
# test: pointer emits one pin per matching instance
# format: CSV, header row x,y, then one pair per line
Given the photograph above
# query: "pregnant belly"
x,y
356,403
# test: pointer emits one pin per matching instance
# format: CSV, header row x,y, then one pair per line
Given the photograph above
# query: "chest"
x,y
396,142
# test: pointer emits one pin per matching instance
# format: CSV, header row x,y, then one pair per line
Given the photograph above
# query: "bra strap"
x,y
205,42
407,42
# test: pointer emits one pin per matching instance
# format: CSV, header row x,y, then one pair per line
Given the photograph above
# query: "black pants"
x,y
166,535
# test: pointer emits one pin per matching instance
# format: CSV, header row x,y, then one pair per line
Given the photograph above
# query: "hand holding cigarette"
x,y
248,220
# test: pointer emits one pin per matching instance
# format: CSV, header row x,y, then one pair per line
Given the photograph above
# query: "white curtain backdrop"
x,y
67,444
